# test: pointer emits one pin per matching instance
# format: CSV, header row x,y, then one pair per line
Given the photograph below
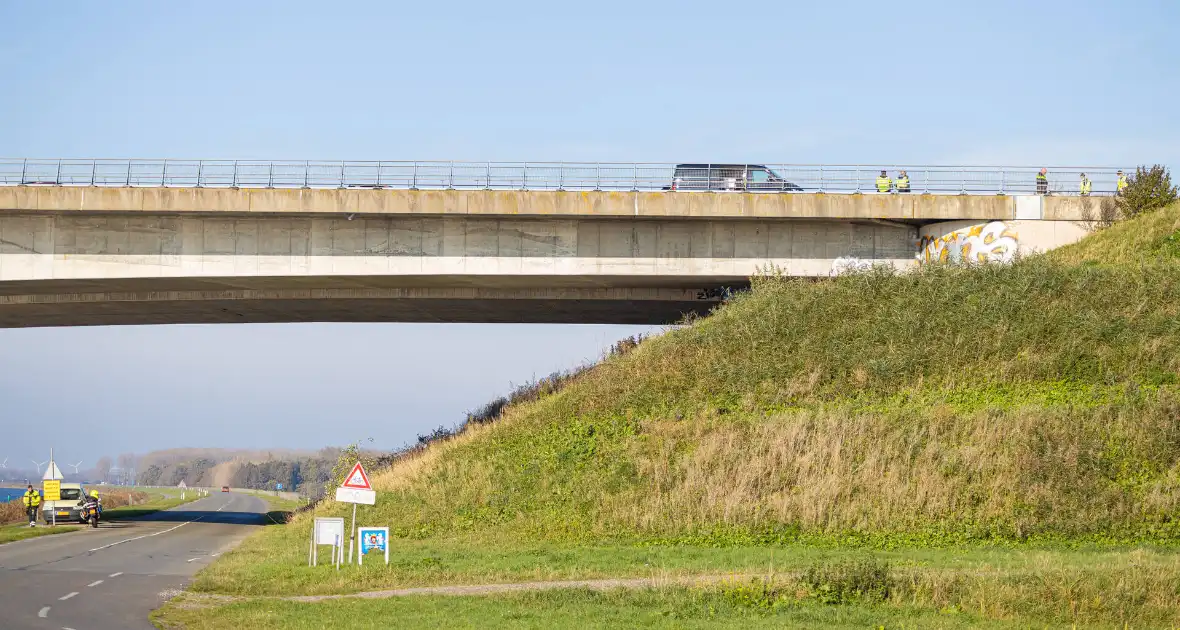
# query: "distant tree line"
x,y
307,475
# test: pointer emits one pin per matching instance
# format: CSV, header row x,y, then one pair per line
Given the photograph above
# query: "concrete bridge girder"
x,y
90,256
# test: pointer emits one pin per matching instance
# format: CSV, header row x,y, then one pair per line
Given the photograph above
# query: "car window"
x,y
759,176
70,494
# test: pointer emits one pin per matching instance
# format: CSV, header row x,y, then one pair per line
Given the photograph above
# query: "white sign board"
x,y
329,531
354,495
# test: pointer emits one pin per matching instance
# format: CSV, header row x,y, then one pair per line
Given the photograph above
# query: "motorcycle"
x,y
90,511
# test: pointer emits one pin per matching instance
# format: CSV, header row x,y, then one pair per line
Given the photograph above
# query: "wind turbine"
x,y
39,464
5,464
75,467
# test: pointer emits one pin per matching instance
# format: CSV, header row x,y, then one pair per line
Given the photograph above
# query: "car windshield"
x,y
70,494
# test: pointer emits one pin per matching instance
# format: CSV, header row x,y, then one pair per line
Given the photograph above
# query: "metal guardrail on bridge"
x,y
572,176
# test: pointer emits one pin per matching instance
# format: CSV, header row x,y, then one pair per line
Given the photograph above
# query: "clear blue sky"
x,y
1085,83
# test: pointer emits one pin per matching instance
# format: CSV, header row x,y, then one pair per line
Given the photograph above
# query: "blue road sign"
x,y
374,539
278,486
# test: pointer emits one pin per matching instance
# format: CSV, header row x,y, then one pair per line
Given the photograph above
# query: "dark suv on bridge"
x,y
743,177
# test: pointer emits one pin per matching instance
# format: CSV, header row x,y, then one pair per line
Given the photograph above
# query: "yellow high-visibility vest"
x,y
1085,189
884,184
31,498
903,183
1122,182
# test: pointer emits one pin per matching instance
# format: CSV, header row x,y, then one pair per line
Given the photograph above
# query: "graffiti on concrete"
x,y
850,264
715,293
993,242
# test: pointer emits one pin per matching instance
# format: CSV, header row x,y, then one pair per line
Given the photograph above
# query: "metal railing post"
x,y
58,177
24,169
93,171
597,176
487,182
270,175
821,178
709,177
524,176
414,180
1003,180
164,173
635,177
341,174
200,167
926,185
306,173
561,175
128,173
234,176
962,181
451,176
378,174
858,179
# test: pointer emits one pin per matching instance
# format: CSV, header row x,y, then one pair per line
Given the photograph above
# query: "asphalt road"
x,y
113,577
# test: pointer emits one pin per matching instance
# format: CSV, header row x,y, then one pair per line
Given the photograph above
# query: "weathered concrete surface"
x,y
54,247
1073,208
81,269
913,207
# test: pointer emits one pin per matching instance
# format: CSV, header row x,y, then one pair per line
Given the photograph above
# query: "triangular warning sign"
x,y
357,479
53,472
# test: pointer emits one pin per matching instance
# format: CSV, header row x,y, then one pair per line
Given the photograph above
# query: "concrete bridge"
x,y
102,255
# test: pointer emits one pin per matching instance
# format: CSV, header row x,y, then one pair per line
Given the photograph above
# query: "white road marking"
x,y
193,559
115,574
145,535
43,613
67,596
64,628
94,584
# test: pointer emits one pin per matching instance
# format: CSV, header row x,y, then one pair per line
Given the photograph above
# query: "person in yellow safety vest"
x,y
1122,183
32,501
1042,182
1084,189
903,182
884,184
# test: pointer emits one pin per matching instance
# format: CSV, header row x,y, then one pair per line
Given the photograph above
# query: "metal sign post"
x,y
351,533
356,489
52,474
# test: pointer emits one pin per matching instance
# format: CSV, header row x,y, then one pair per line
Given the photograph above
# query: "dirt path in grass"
x,y
490,589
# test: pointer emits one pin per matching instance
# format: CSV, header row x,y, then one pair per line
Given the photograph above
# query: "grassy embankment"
x,y
1009,436
123,503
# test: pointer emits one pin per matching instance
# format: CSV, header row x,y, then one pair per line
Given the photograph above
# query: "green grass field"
x,y
1007,438
13,533
572,609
